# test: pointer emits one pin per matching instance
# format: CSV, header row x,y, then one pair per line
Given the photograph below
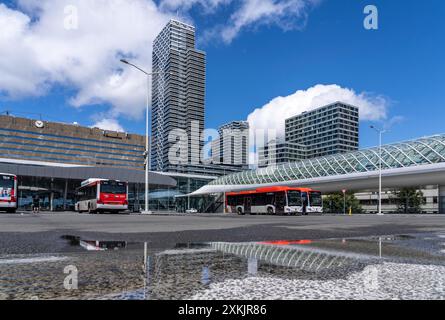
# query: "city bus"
x,y
102,195
275,200
8,193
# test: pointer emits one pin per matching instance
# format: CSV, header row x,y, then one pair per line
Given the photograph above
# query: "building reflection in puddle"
x,y
179,273
206,278
121,270
252,267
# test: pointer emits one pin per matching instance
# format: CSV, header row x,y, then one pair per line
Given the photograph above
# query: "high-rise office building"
x,y
232,147
324,131
178,96
327,130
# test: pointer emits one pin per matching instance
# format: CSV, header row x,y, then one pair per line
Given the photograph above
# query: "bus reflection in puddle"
x,y
95,245
102,245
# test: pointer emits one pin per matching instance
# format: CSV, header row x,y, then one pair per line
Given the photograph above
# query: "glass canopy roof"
x,y
418,152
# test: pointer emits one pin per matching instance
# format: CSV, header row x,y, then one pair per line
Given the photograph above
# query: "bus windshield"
x,y
113,187
316,199
6,182
294,198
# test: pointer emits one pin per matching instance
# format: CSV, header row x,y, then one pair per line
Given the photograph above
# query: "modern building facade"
x,y
232,147
276,152
416,163
52,159
325,131
37,140
369,200
178,98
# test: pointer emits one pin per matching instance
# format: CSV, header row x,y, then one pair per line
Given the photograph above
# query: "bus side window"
x,y
270,199
304,198
92,192
240,201
280,200
259,200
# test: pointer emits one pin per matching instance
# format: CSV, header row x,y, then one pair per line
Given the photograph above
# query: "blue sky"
x,y
402,62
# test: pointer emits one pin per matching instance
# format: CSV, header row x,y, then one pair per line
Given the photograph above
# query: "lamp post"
x,y
380,132
344,201
147,144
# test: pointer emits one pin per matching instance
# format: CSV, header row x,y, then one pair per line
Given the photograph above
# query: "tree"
x,y
409,200
334,203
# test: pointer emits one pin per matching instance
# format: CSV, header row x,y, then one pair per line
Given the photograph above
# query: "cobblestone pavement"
x,y
403,266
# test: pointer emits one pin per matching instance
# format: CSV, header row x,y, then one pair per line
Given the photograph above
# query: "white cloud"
x,y
286,14
38,52
109,124
209,6
273,114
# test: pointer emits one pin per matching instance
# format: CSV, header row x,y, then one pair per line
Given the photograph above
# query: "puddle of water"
x,y
95,245
400,237
392,267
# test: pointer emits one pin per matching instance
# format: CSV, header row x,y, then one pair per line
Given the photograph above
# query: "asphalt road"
x,y
42,233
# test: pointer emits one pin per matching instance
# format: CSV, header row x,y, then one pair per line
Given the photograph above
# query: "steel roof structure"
x,y
424,155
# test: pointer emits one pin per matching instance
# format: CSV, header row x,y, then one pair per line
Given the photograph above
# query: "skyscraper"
x,y
178,95
324,131
327,130
278,152
232,147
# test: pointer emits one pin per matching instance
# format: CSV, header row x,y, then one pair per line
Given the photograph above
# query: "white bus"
x,y
275,200
101,195
8,193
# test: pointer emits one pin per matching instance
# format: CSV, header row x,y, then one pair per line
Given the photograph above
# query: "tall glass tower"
x,y
178,96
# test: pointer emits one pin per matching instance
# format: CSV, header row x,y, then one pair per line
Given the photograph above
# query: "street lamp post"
x,y
147,143
380,132
344,201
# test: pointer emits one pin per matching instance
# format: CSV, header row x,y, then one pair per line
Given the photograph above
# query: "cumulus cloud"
x,y
40,48
208,5
77,44
273,114
285,14
108,124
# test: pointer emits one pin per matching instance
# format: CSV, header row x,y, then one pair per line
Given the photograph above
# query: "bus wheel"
x,y
240,212
270,211
11,211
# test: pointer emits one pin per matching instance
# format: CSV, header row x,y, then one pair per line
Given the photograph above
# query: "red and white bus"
x,y
8,192
275,200
101,195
